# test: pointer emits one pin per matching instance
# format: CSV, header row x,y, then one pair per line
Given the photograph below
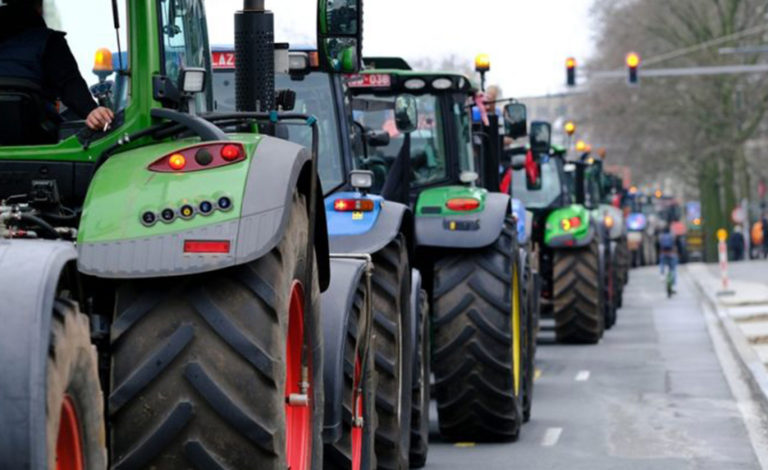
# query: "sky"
x,y
528,41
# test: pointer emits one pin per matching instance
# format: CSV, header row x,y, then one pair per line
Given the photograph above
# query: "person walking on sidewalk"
x,y
736,244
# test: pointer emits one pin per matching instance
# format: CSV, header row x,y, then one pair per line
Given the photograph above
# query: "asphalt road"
x,y
651,395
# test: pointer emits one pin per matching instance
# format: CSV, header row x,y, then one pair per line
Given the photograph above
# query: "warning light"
x,y
353,205
570,128
571,224
608,221
658,194
177,161
633,190
570,71
462,204
697,222
483,63
722,234
102,61
581,146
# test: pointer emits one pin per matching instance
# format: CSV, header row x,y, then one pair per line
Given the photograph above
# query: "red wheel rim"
x,y
298,387
356,435
69,452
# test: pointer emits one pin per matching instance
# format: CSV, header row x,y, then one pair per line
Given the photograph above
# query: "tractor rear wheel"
x,y
391,323
578,295
354,450
477,346
421,396
75,405
610,287
221,370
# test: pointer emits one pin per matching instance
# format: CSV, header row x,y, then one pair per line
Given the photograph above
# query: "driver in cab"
x,y
31,51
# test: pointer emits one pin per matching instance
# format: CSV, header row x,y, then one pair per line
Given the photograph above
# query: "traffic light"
x,y
633,62
570,128
570,71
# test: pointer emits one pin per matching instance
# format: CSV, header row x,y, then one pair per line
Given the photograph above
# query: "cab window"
x,y
183,35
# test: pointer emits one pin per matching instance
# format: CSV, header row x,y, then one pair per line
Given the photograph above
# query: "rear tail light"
x,y
462,204
206,246
200,157
571,224
353,205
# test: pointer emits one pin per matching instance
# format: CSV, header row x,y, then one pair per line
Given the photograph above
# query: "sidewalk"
x,y
743,312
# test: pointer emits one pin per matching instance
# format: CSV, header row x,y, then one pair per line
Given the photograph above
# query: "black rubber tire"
x,y
338,455
578,295
421,390
391,315
198,364
478,398
528,337
73,371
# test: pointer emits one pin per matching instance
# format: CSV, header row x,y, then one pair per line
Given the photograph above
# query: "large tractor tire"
x,y
625,260
578,295
391,319
421,389
611,288
221,370
477,357
355,449
529,335
75,405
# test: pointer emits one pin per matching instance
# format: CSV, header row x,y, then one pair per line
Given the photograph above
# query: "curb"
x,y
751,364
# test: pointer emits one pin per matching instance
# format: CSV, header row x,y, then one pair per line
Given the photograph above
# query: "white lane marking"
x,y
582,376
551,437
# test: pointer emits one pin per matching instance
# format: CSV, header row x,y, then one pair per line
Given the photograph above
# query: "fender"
x,y
30,272
393,218
336,305
556,236
473,230
113,243
522,218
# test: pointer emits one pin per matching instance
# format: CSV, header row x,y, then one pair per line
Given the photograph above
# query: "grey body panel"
x,y
274,173
336,305
528,226
29,276
619,227
388,225
431,231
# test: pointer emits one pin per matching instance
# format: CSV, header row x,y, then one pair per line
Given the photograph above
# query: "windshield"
x,y
314,96
428,152
550,191
184,33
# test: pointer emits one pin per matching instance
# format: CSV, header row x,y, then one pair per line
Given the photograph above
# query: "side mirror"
x,y
541,137
518,162
406,113
377,138
340,35
515,120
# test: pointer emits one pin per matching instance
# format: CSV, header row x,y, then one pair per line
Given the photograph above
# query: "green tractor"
x,y
569,235
466,248
161,278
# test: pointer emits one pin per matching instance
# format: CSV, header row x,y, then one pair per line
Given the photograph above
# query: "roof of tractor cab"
x,y
395,81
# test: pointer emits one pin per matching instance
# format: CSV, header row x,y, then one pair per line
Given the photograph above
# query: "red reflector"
x,y
575,222
203,246
353,205
462,204
230,152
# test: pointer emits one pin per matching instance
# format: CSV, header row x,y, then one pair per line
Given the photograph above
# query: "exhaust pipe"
x,y
255,58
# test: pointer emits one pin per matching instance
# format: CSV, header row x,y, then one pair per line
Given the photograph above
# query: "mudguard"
x,y
29,277
372,231
471,230
558,236
114,243
336,305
